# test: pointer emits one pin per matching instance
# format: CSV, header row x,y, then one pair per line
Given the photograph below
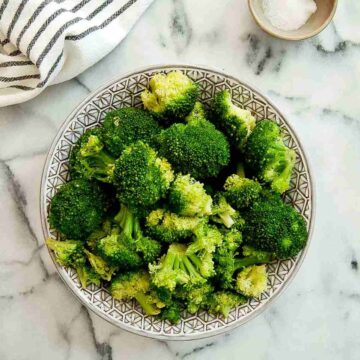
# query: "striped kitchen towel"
x,y
45,42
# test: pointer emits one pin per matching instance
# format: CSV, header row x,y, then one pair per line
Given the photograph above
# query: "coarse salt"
x,y
288,14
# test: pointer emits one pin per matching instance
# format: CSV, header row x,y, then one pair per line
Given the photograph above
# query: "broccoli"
x,y
172,96
136,285
194,296
235,122
77,209
123,127
241,192
177,267
87,276
251,281
142,178
223,213
196,148
268,158
275,227
172,312
207,238
188,198
197,114
123,247
100,266
169,227
75,160
98,234
221,302
68,252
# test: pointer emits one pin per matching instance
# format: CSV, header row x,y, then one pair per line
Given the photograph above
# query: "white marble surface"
x,y
315,83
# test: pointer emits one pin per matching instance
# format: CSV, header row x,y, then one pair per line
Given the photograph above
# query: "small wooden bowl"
x,y
316,23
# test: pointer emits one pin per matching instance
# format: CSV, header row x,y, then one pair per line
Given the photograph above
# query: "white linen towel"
x,y
45,42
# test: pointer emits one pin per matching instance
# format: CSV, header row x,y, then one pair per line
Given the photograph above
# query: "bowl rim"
x,y
292,37
71,286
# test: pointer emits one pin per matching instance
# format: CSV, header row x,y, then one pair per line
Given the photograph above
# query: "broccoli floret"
x,y
68,252
194,296
100,266
188,197
252,281
172,96
268,158
177,267
136,285
87,276
241,192
196,148
235,122
123,127
77,209
142,178
98,234
169,227
224,213
207,238
172,312
273,226
75,160
197,114
221,302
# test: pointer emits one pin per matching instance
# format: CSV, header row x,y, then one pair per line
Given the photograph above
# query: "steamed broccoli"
x,y
77,209
240,192
87,276
100,266
197,114
177,267
68,252
127,247
223,213
188,197
206,238
169,227
221,302
235,122
172,312
75,160
251,281
172,96
142,178
273,226
123,127
136,285
196,148
268,158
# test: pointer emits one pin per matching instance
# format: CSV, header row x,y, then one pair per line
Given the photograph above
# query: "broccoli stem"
x,y
251,260
240,170
227,220
148,308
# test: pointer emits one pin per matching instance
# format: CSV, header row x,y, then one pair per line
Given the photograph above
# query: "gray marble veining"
x,y
316,83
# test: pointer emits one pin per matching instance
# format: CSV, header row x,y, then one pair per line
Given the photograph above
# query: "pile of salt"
x,y
288,14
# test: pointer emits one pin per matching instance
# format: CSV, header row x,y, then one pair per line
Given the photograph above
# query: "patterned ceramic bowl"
x,y
124,92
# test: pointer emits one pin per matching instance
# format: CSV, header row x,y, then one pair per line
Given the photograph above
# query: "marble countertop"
x,y
316,83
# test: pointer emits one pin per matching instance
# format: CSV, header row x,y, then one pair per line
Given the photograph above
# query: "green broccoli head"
x,y
252,281
75,160
172,312
169,227
275,227
177,267
196,148
136,285
198,114
223,213
194,296
100,266
172,96
235,122
142,178
222,302
241,192
87,276
188,197
268,158
206,238
123,127
77,209
68,252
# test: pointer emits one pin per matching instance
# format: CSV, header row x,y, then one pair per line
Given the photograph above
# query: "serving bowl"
x,y
316,23
123,92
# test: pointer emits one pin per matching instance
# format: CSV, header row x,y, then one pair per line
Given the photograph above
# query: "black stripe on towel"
x,y
15,18
15,63
18,78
